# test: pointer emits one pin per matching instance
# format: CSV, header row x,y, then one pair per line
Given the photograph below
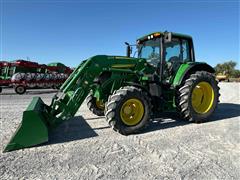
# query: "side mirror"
x,y
167,37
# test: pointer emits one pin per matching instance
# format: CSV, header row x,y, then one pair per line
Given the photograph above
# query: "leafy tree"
x,y
236,73
227,68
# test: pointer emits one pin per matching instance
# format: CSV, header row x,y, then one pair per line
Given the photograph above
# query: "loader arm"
x,y
78,85
39,118
74,91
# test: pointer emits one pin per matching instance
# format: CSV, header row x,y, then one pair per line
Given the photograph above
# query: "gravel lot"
x,y
86,148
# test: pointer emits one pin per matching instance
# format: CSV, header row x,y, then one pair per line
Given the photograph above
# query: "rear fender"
x,y
187,69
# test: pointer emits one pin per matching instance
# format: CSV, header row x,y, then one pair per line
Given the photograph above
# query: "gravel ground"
x,y
86,148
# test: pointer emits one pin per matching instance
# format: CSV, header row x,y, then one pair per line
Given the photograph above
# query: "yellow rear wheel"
x,y
198,97
202,97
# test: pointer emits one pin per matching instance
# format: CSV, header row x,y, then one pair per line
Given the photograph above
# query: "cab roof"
x,y
159,33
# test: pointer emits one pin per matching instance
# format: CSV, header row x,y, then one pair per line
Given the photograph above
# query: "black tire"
x,y
20,89
184,102
93,107
0,89
116,103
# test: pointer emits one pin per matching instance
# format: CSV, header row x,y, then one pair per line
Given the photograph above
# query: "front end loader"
x,y
128,91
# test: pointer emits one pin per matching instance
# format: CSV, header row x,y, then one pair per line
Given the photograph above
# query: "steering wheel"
x,y
153,61
174,59
172,62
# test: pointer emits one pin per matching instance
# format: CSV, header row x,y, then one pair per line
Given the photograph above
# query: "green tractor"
x,y
128,91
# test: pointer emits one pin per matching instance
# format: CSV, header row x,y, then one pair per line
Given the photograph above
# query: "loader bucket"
x,y
33,129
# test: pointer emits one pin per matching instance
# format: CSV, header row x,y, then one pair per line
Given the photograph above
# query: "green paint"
x,y
33,129
180,74
97,94
144,78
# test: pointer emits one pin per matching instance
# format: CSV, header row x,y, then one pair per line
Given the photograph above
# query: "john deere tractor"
x,y
128,91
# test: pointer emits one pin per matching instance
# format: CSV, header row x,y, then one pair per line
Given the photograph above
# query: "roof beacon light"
x,y
156,34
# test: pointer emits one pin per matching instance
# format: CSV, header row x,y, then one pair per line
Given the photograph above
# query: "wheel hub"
x,y
202,97
132,112
127,110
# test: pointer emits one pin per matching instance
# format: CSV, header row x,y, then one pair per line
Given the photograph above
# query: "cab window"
x,y
177,50
150,50
173,51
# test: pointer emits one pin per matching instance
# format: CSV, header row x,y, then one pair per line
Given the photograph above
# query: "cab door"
x,y
175,52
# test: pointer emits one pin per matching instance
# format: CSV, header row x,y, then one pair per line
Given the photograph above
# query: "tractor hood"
x,y
124,61
121,62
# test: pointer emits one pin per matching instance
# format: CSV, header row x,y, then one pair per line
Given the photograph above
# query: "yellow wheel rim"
x,y
132,112
100,104
202,97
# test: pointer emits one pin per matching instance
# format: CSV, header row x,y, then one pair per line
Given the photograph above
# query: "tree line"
x,y
228,68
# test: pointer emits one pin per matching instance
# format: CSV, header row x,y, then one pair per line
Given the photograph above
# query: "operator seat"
x,y
173,64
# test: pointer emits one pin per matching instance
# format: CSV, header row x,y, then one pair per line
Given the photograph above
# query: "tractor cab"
x,y
166,52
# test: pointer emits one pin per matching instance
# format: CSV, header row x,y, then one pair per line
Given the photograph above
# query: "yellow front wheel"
x,y
128,110
199,97
97,107
132,111
99,104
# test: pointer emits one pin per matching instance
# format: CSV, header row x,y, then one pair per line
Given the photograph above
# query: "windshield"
x,y
150,50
